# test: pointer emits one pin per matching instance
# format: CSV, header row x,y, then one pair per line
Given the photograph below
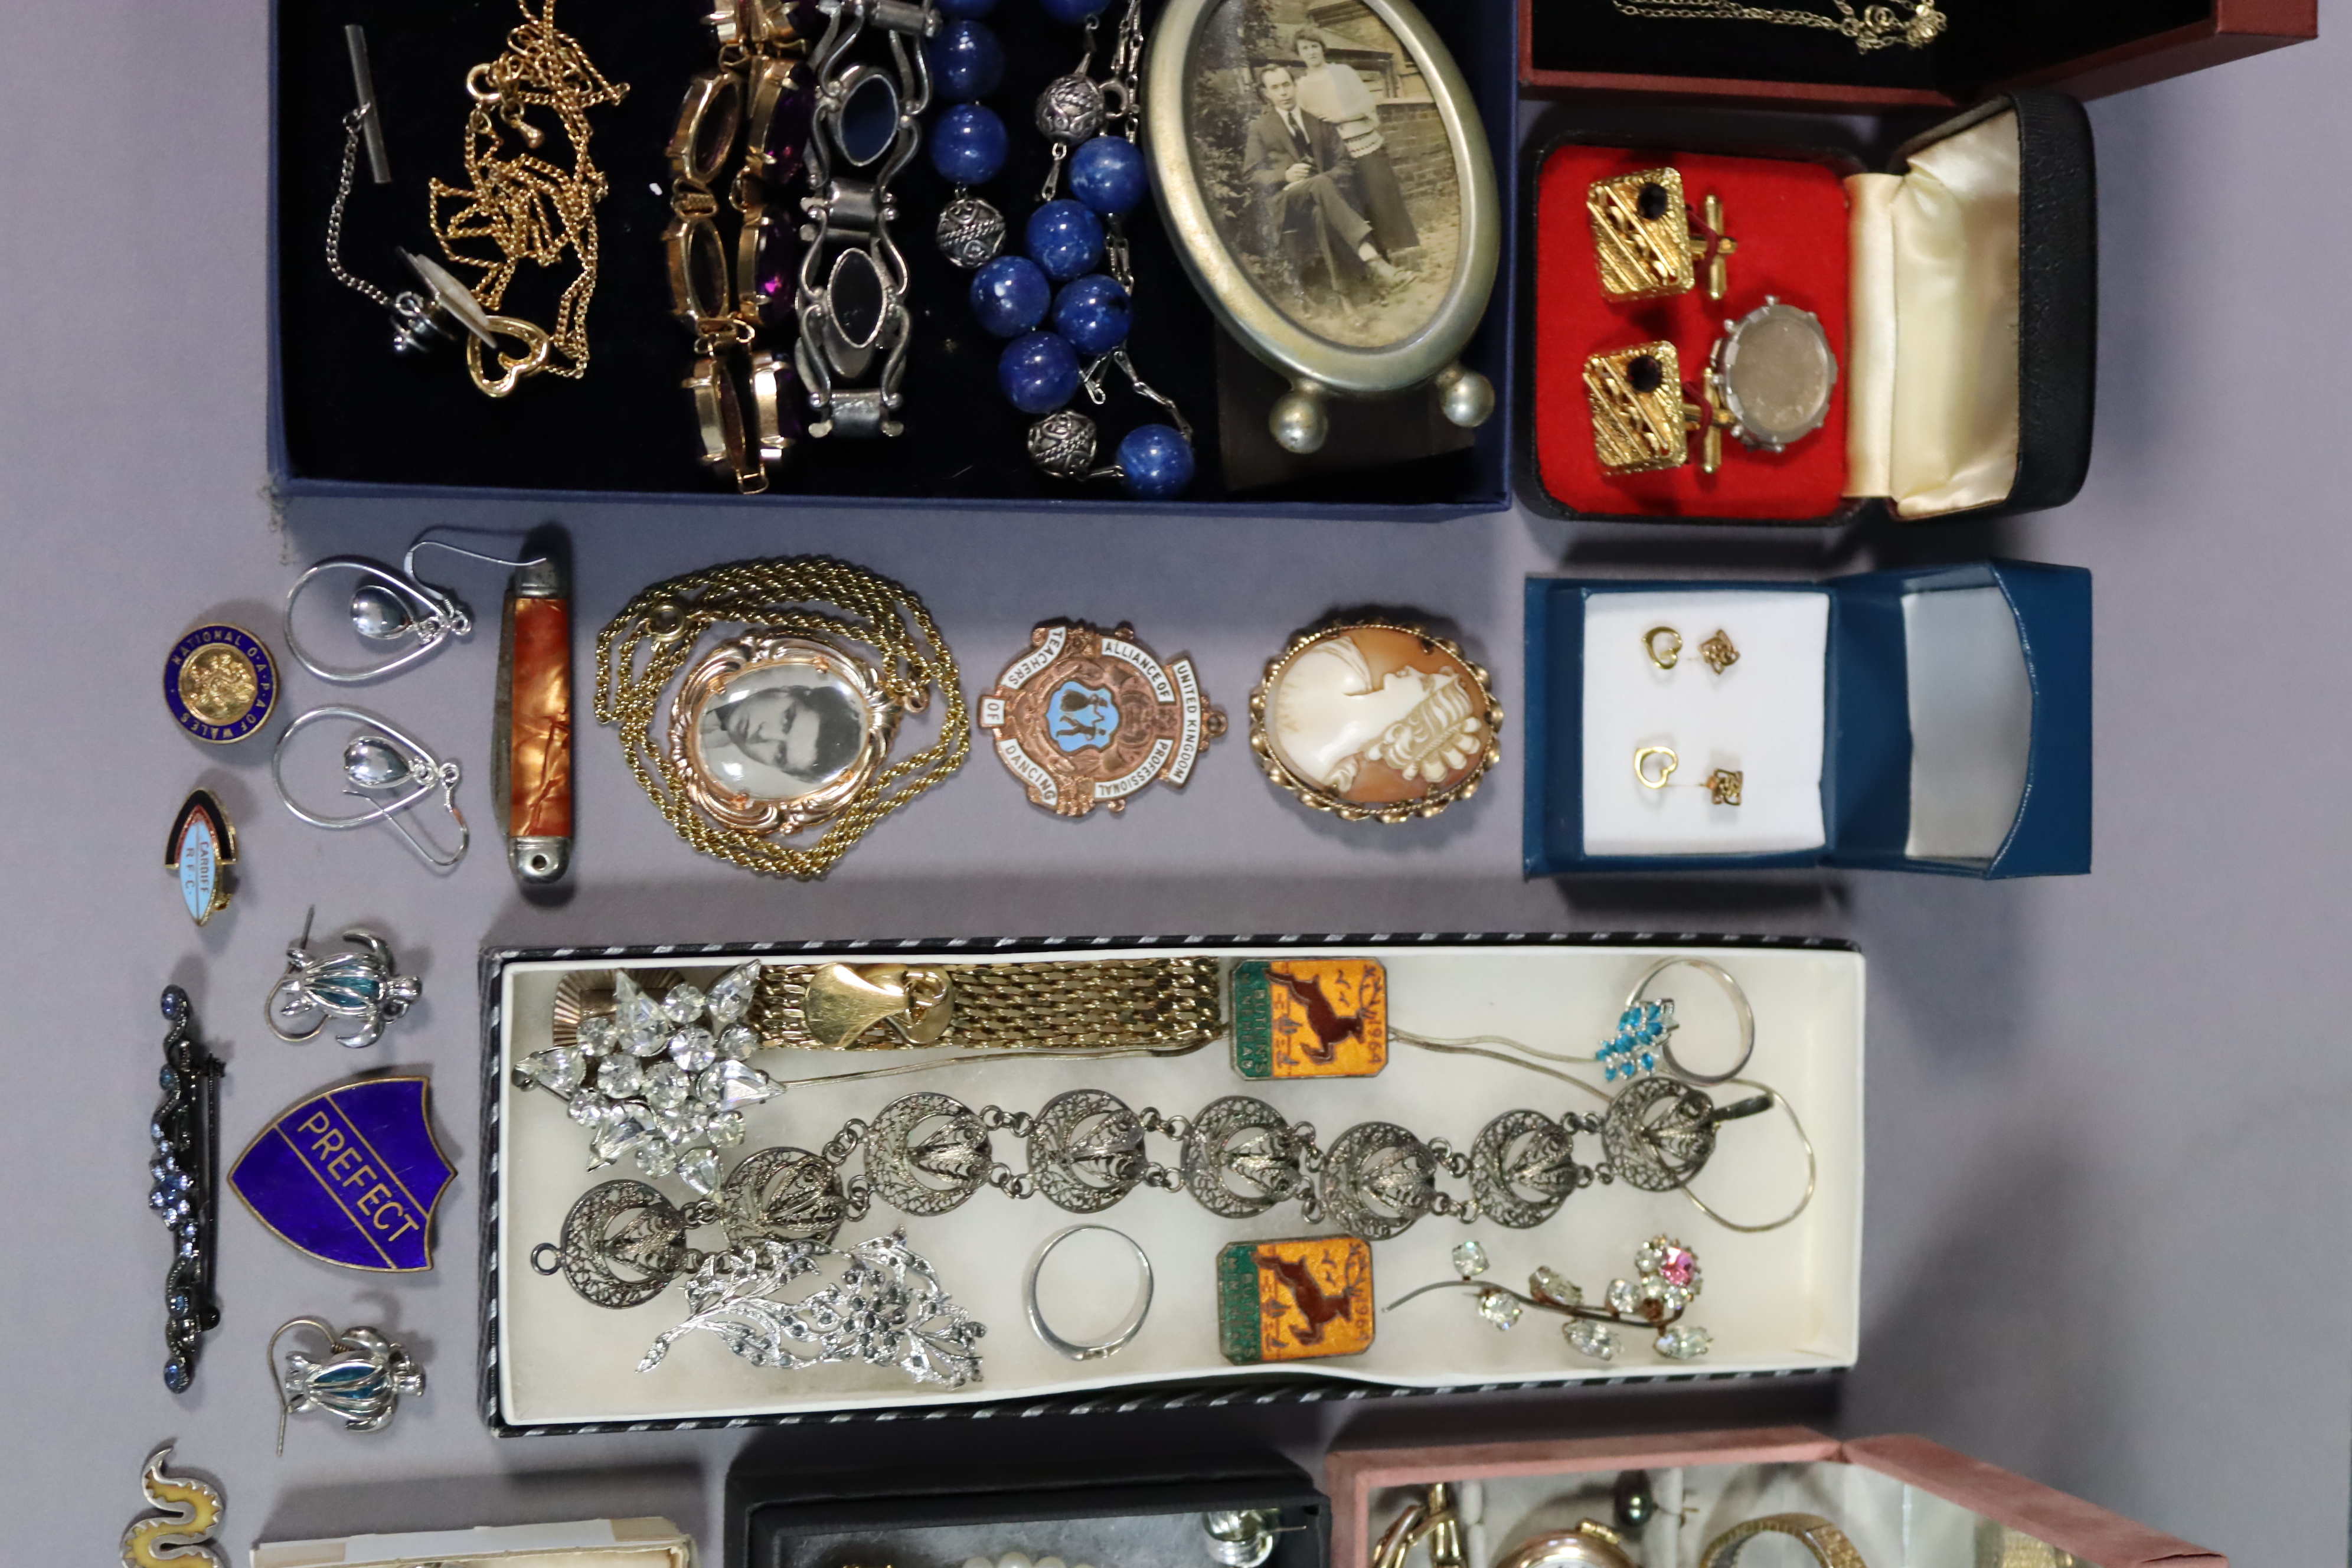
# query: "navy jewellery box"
x,y
1936,720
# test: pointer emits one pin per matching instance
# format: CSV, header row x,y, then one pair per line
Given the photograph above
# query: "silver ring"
x,y
1127,1331
1747,1016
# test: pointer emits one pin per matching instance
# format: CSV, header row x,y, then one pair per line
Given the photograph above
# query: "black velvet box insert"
x,y
349,417
917,1514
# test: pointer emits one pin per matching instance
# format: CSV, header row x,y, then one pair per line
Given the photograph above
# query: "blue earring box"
x,y
1878,758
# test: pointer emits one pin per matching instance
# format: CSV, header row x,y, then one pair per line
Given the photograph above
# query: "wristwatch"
x,y
1825,1540
1591,1544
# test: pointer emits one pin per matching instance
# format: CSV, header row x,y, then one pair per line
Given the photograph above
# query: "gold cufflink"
x,y
1664,647
1767,381
1654,765
1640,422
1649,241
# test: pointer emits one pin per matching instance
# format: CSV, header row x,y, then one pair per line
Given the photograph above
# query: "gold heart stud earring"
x,y
1664,647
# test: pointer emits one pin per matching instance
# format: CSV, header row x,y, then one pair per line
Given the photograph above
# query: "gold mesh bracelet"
x,y
1162,1006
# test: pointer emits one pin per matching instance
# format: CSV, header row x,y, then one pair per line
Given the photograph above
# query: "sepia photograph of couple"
x,y
1326,166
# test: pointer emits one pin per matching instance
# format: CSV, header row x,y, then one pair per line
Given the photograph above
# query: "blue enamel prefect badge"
x,y
349,1175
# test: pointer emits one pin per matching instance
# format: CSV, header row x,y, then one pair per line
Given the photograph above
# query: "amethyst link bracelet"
x,y
757,98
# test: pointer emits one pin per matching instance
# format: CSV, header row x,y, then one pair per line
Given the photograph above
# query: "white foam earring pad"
x,y
1763,717
1787,1300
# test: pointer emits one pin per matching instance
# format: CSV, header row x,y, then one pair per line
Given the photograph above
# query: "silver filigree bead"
x,y
1063,444
970,232
1070,109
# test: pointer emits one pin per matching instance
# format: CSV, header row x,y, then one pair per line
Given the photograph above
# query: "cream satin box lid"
x,y
581,1543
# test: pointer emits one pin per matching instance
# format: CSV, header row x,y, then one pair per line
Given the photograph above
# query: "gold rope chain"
x,y
1164,1005
530,207
665,621
1912,24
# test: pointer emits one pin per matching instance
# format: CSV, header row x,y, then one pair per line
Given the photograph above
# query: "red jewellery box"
x,y
1798,55
1897,1500
1956,296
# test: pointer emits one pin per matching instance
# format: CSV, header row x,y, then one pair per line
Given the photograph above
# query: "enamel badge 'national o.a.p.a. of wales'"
x,y
1088,718
220,683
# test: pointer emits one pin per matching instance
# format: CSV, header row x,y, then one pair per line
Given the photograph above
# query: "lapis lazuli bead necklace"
x,y
1065,307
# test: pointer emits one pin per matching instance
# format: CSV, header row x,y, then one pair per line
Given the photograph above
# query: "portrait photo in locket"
x,y
779,732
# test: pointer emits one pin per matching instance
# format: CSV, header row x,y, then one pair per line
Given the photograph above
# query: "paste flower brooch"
x,y
1666,1281
887,1308
663,1077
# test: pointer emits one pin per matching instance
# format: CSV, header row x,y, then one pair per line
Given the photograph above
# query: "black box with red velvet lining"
x,y
1957,291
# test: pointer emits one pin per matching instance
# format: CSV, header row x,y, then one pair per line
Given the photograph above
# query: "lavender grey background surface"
x,y
2107,1242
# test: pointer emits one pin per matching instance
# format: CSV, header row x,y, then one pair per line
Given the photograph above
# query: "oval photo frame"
x,y
1205,222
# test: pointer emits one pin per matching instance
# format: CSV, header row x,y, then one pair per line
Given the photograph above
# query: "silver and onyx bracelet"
x,y
852,300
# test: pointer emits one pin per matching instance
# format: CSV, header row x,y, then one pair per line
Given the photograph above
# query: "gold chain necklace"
x,y
1912,24
649,643
530,207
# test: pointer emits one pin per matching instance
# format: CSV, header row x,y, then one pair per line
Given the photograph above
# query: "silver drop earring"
x,y
389,608
361,1378
357,981
380,761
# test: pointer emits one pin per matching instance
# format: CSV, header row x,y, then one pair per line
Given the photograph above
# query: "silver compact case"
x,y
1772,373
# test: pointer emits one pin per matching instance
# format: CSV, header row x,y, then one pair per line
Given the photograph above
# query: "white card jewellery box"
x,y
1900,1501
1936,719
582,1543
1782,1300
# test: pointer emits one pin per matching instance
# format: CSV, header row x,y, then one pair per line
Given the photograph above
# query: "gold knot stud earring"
x,y
1654,765
1664,647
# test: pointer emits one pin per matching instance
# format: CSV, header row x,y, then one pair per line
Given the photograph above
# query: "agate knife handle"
x,y
539,724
